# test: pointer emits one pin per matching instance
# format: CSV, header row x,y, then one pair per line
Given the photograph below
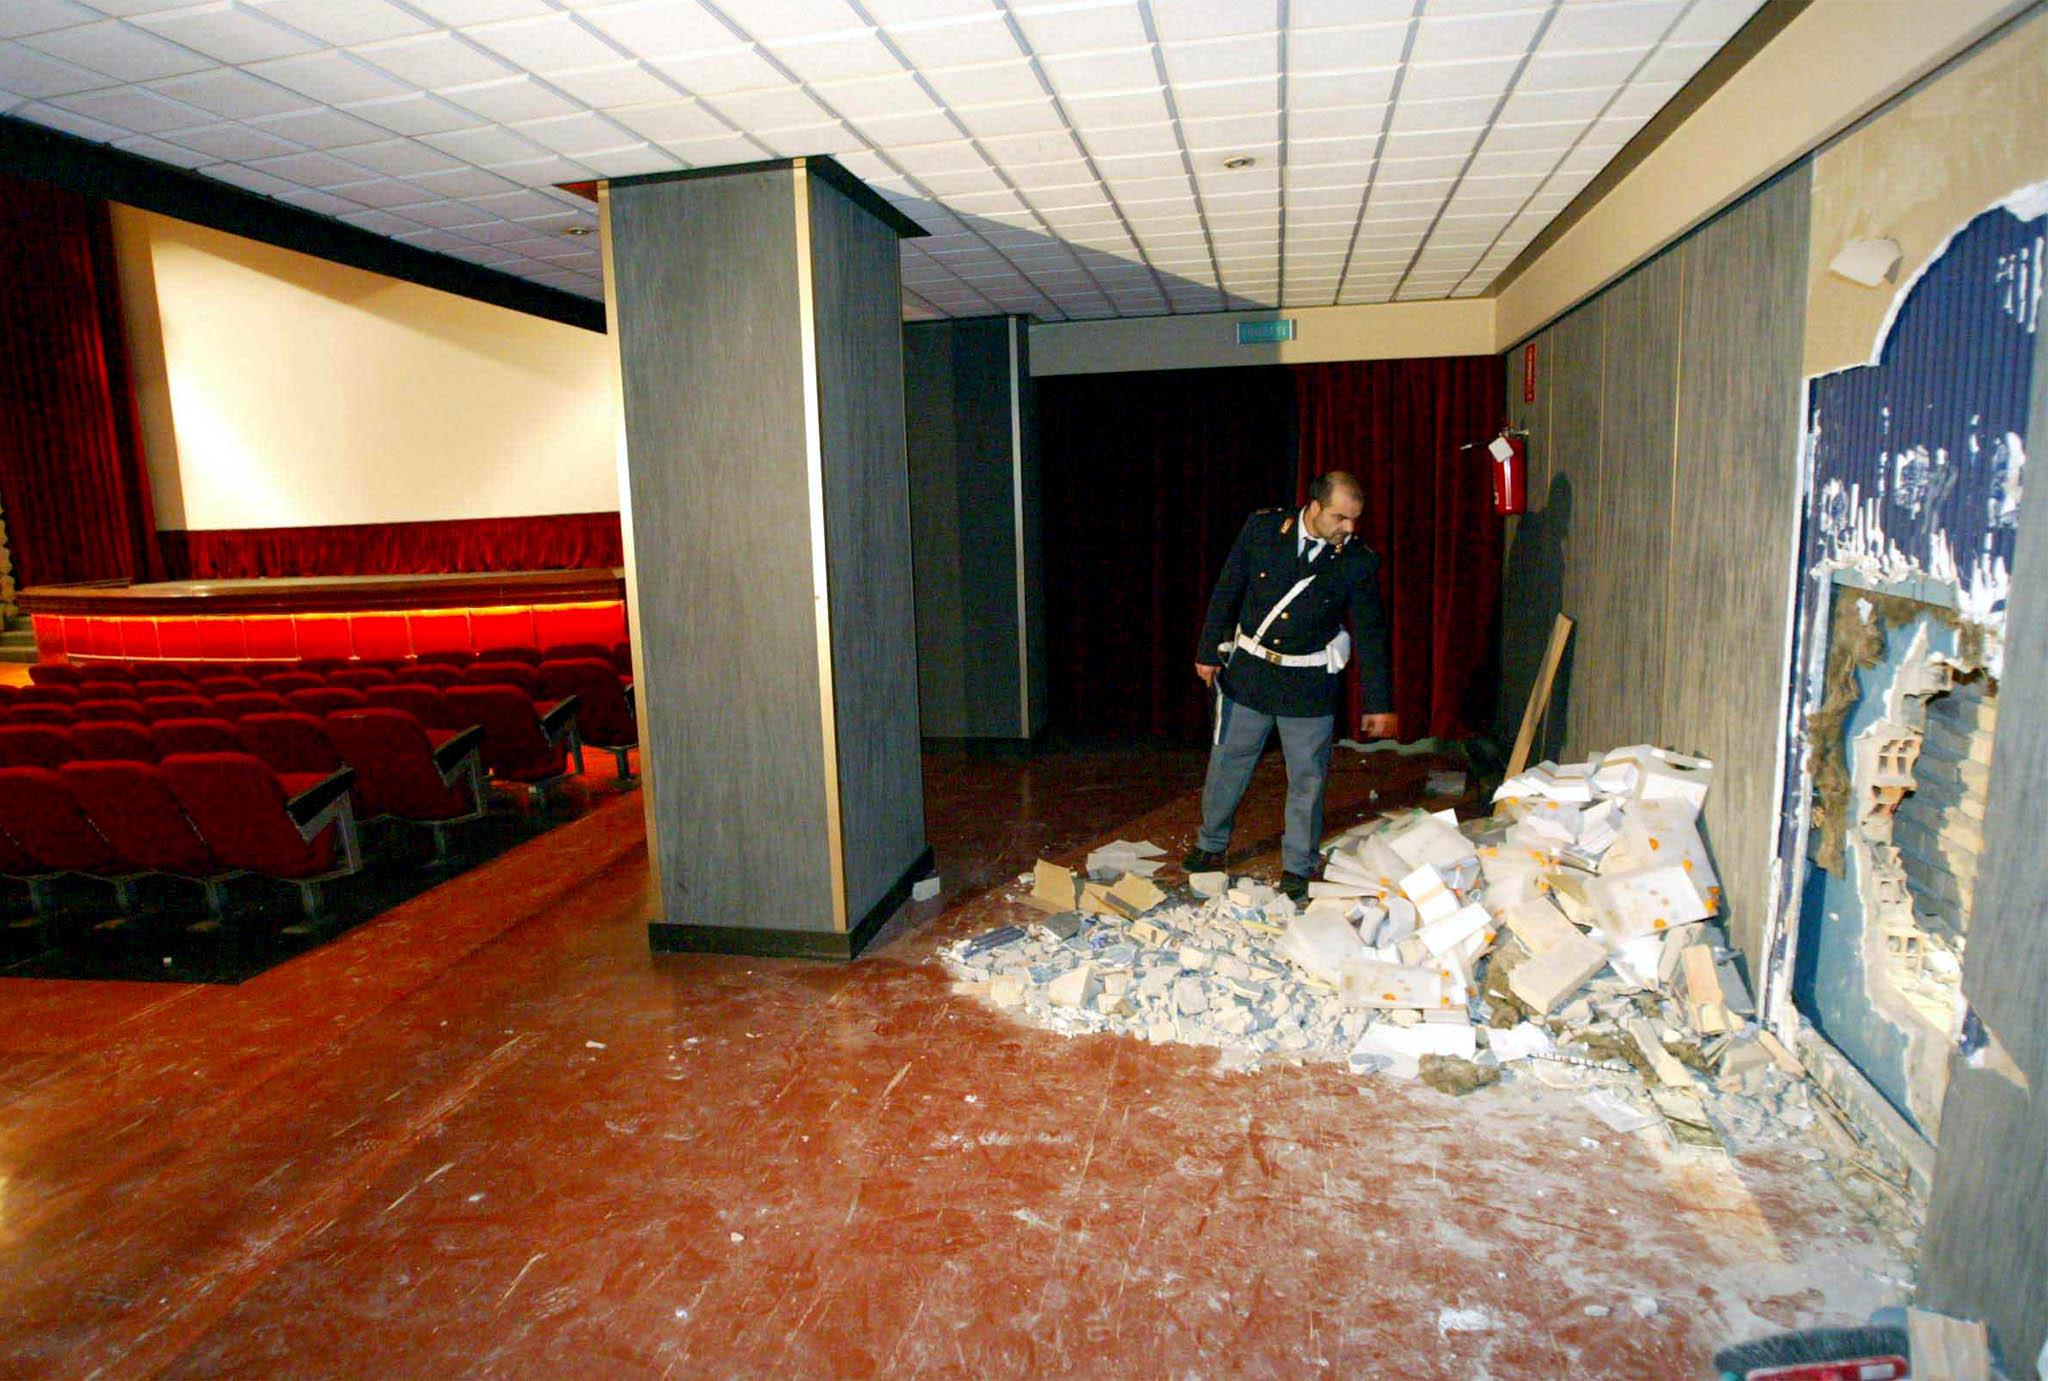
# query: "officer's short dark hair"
x,y
1328,483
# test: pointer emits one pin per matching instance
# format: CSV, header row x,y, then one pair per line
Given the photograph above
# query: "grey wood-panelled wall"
x,y
858,289
1663,467
1986,1252
770,512
717,482
973,460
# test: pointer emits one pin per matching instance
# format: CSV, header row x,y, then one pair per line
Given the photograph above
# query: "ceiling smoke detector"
x,y
1239,160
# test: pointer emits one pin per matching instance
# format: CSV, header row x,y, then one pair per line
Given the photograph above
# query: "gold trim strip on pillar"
x,y
821,587
646,694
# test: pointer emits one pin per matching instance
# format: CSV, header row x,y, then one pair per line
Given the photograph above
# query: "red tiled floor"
x,y
488,1134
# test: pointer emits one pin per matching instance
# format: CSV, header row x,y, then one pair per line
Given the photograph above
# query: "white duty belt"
x,y
1331,658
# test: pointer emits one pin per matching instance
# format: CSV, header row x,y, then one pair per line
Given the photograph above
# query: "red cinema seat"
x,y
8,691
109,671
403,775
359,678
162,707
108,690
622,659
239,703
427,704
570,652
55,715
518,745
457,657
108,740
217,686
518,675
514,653
130,710
323,666
35,745
48,695
152,690
290,743
295,828
196,736
131,805
39,813
325,700
431,674
55,674
604,715
285,682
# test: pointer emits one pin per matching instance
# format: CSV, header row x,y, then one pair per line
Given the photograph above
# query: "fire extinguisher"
x,y
1510,455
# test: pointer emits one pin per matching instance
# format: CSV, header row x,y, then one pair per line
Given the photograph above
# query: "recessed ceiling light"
x,y
1239,160
579,230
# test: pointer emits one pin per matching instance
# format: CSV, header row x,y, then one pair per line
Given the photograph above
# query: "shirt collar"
x,y
1305,545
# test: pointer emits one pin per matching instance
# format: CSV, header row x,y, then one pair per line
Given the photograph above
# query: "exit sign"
x,y
1265,332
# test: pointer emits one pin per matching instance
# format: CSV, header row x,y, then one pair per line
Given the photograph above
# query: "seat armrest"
x,y
449,755
561,719
309,805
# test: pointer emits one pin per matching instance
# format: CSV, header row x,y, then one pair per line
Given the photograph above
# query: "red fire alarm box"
x,y
1510,455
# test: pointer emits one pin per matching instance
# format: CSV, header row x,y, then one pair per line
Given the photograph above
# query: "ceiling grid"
x,y
1067,156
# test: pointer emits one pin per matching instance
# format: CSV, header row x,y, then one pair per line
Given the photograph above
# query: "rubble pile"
x,y
1572,931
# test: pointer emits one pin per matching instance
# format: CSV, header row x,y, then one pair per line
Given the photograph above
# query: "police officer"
x,y
1271,649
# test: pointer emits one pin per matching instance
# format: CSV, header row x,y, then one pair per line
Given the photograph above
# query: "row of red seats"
x,y
206,817
519,707
618,655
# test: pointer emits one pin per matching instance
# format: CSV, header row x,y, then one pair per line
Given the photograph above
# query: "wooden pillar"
x,y
757,315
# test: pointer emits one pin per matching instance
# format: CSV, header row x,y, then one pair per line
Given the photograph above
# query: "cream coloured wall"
x,y
280,390
1386,331
1833,64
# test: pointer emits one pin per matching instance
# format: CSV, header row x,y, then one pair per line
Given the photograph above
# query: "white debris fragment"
x,y
924,889
1449,1321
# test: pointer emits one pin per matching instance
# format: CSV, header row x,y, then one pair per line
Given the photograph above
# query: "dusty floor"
x,y
488,1135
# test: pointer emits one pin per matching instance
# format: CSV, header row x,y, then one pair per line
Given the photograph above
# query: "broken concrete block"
x,y
1095,900
1742,1056
1548,979
1076,987
1663,1062
1064,926
1785,1059
1703,991
1007,990
1648,901
1192,957
1135,895
1190,997
1420,838
1539,925
1114,985
1209,884
1425,888
1425,1038
1053,888
1148,934
1320,944
1440,937
1162,1033
1365,983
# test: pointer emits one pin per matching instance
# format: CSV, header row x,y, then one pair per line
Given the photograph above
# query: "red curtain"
x,y
73,481
1407,429
1149,476
554,542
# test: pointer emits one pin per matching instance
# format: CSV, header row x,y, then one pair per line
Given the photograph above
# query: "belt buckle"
x,y
1270,655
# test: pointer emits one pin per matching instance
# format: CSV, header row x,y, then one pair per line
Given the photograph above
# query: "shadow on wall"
x,y
1532,595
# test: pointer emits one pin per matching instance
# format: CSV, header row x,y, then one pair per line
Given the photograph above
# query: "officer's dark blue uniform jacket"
x,y
1263,566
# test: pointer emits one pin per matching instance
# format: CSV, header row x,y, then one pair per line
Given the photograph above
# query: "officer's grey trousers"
x,y
1239,739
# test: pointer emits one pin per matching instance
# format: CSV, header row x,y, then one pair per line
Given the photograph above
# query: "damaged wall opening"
x,y
1902,747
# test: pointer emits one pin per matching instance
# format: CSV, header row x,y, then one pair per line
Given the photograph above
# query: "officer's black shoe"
x,y
1294,886
1201,860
